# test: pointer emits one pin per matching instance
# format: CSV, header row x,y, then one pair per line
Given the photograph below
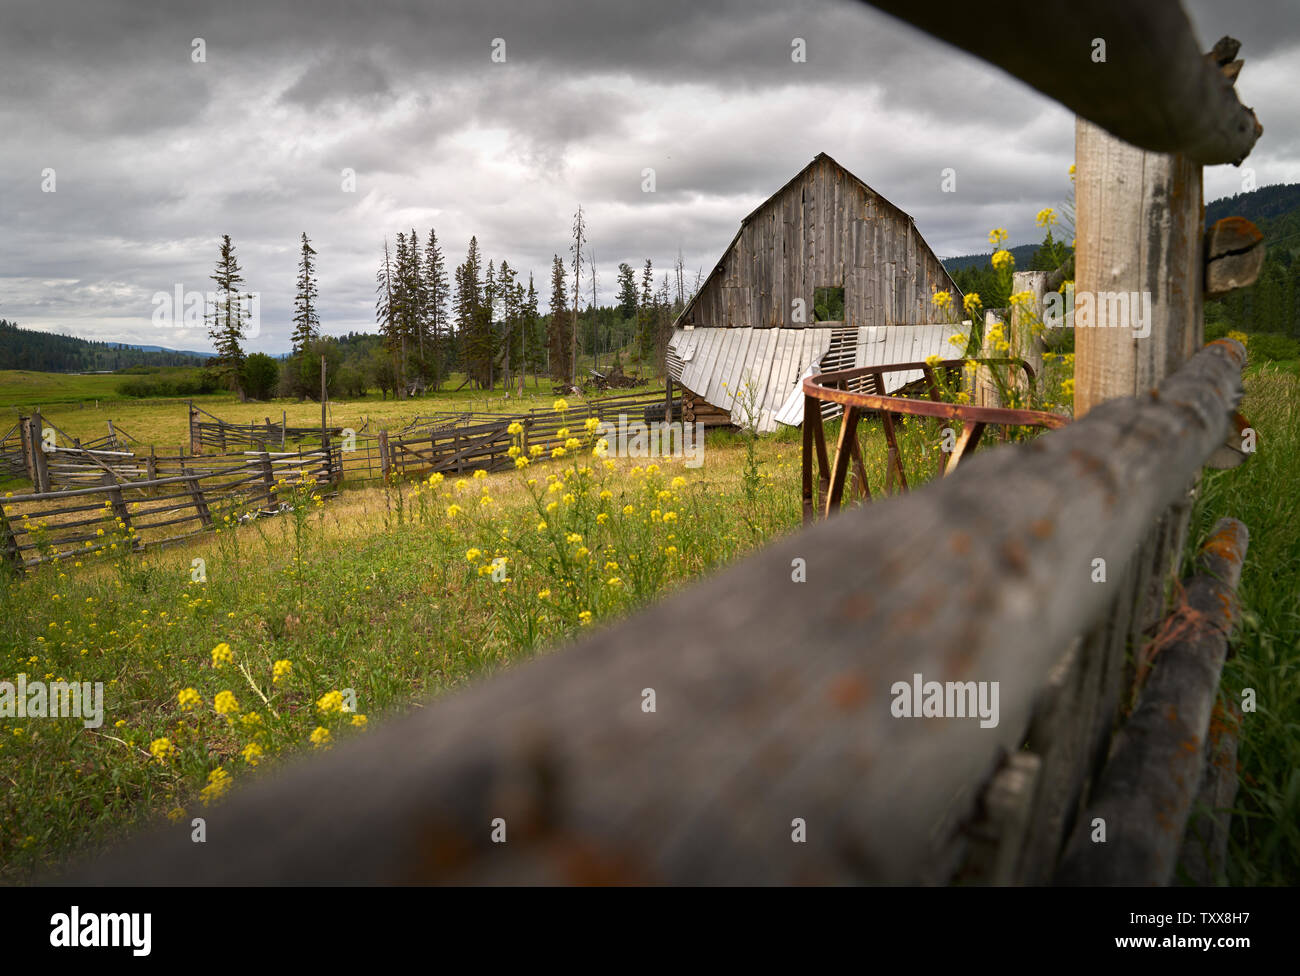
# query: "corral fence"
x,y
796,734
170,497
156,511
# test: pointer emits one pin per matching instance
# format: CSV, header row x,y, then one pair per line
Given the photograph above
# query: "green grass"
x,y
377,592
382,591
21,389
1265,842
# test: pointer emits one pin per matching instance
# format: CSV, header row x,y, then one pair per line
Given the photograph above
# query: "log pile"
x,y
697,410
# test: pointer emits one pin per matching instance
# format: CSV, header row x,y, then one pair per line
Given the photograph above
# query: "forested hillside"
x,y
52,353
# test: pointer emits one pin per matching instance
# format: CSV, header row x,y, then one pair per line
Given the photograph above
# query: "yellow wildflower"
x,y
218,784
188,699
222,655
161,749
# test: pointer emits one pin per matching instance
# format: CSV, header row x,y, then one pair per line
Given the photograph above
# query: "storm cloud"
x,y
155,155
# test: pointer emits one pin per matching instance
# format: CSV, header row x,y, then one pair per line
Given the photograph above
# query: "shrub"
x,y
261,376
1272,346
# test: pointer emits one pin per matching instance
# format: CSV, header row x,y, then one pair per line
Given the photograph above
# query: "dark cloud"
x,y
157,155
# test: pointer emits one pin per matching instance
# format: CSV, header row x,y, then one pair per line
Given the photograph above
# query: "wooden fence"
x,y
37,528
778,749
42,525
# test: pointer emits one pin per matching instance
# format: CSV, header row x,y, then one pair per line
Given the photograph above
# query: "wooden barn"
x,y
825,274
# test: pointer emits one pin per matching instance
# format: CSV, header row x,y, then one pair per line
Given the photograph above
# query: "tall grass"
x,y
1265,841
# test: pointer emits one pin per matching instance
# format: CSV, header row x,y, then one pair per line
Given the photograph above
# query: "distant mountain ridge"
x,y
1274,209
1023,253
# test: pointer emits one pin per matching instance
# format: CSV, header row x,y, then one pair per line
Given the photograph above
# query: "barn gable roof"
x,y
684,315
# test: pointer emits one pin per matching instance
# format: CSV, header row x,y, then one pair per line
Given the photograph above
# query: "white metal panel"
x,y
880,346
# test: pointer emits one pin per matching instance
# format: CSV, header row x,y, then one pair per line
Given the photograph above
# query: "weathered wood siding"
x,y
825,228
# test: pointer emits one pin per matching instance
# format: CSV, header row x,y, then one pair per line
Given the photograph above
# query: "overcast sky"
x,y
156,156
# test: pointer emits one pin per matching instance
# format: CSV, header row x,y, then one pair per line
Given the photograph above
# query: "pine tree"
x,y
489,313
557,334
226,323
533,349
645,314
415,325
387,304
435,287
474,317
401,311
505,292
663,323
306,322
627,294
579,238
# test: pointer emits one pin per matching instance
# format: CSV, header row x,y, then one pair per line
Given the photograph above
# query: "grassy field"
x,y
313,625
383,595
21,389
81,407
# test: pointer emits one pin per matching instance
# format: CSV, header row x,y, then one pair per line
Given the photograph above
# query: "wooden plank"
x,y
1155,89
1145,794
1140,229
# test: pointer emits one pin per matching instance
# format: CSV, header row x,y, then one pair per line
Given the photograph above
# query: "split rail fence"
x,y
775,752
171,497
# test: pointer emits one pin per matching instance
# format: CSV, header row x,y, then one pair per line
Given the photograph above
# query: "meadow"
x,y
82,405
307,628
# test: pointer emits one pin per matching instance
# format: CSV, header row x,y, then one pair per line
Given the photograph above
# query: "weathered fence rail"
x,y
39,527
766,718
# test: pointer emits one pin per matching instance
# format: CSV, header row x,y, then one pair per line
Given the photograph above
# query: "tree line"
x,y
49,352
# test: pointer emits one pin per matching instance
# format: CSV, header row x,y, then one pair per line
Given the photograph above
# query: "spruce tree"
x,y
558,333
532,347
306,322
226,322
645,314
627,294
415,324
387,304
435,288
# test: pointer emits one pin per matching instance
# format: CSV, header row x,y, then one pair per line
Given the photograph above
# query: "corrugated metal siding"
x,y
716,363
877,346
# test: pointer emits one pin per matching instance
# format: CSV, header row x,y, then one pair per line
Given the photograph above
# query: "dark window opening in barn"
x,y
828,305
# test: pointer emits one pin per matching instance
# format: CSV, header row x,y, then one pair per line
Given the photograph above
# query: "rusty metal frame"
x,y
833,388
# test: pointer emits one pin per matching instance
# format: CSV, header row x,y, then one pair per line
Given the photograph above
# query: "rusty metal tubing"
x,y
815,386
831,388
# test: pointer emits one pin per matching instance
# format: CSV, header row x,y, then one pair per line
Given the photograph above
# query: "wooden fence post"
x,y
384,460
40,464
1141,235
1024,344
196,441
268,477
196,493
1140,227
13,559
25,443
119,506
